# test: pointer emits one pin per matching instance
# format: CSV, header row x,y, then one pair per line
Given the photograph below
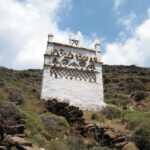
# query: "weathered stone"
x,y
14,148
104,135
120,145
17,129
31,148
50,122
71,113
21,121
17,143
130,146
3,148
20,135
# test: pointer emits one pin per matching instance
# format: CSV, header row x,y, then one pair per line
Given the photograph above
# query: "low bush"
x,y
138,96
109,95
142,136
106,80
38,140
112,112
34,123
1,96
57,145
119,101
136,118
95,116
17,97
131,87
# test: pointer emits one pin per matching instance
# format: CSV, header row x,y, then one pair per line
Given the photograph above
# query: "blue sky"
x,y
121,26
100,17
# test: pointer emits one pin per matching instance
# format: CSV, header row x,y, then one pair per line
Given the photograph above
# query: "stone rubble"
x,y
12,126
104,135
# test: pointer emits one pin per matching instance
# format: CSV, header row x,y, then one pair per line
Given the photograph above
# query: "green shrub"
x,y
57,145
76,143
57,125
136,87
17,97
142,136
34,123
109,95
138,96
95,116
106,80
38,140
112,112
119,101
136,118
1,96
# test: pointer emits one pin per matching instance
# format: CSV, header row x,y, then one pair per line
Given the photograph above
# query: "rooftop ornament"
x,y
74,42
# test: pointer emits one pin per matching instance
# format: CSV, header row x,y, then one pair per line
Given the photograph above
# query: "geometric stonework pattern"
x,y
72,74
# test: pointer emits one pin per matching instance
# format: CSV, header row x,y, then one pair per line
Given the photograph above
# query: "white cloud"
x,y
118,3
24,27
149,11
134,50
127,21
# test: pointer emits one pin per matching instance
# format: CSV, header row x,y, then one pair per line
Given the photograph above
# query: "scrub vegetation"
x,y
126,91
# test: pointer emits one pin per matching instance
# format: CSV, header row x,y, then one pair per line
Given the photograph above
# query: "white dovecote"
x,y
74,74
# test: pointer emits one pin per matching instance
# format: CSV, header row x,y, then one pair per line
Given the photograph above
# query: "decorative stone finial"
x,y
74,42
50,37
97,46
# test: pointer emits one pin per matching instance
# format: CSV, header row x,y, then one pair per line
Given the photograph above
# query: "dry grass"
x,y
35,106
117,124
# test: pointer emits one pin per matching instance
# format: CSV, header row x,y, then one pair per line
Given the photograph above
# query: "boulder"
x,y
130,146
17,143
3,148
50,122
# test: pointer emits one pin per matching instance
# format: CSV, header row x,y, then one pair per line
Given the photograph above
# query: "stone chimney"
x,y
97,47
98,51
50,37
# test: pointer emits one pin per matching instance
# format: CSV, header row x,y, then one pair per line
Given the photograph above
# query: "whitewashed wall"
x,y
83,94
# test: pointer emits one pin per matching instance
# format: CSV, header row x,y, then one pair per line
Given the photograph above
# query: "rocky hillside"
x,y
125,120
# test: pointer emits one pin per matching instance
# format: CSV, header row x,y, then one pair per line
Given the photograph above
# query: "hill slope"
x,y
126,87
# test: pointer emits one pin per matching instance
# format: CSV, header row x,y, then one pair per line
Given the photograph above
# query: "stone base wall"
x,y
82,94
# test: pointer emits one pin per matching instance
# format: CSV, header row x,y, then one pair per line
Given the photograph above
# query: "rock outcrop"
x,y
72,114
16,143
104,135
130,146
12,119
12,126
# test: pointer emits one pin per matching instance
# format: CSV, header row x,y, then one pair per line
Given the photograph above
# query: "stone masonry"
x,y
73,74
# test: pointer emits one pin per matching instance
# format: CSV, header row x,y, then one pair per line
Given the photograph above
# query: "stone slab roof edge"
x,y
71,46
